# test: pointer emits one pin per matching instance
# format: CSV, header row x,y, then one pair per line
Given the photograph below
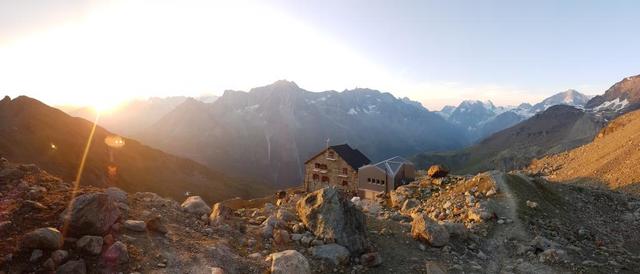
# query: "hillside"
x,y
611,159
270,131
557,129
33,132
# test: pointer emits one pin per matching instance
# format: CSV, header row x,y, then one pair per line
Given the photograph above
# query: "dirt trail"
x,y
500,243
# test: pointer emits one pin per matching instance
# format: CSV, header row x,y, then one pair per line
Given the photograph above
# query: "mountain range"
x,y
32,132
481,119
557,129
268,132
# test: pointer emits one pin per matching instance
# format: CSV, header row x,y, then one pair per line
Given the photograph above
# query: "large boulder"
x,y
333,253
91,214
427,230
43,238
437,171
289,262
117,194
195,205
330,215
220,214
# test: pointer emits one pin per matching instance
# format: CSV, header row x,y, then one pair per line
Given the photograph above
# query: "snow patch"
x,y
614,105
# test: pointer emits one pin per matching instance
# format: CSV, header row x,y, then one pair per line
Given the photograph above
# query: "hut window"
x,y
316,177
331,154
369,180
344,170
345,183
377,181
325,179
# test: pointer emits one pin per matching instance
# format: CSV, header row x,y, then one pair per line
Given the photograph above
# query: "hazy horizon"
x,y
75,52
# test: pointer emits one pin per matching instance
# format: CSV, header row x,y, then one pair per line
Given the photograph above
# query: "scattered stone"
x,y
135,225
456,230
47,238
116,254
91,245
35,255
289,262
330,215
280,237
72,267
157,224
91,214
437,171
426,229
333,253
49,264
285,215
409,204
196,206
59,256
372,259
532,204
220,214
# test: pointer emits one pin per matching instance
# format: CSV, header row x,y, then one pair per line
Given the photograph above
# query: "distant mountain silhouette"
x,y
32,132
270,131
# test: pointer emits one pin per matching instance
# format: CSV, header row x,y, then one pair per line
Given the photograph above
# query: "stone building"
x,y
334,166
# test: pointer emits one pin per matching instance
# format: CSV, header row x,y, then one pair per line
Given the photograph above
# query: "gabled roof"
x,y
392,165
353,157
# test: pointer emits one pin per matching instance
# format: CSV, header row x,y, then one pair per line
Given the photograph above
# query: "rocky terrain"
x,y
493,222
611,160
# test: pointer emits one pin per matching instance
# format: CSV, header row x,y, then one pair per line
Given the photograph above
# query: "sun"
x,y
104,106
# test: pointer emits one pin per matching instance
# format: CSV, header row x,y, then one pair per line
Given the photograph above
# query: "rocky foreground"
x,y
489,223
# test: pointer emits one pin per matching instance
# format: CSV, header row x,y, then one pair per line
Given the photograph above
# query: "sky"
x,y
100,53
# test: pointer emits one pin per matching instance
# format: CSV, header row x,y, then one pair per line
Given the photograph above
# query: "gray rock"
x,y
116,254
333,253
59,256
91,245
409,204
72,267
196,206
135,225
117,194
47,238
91,214
456,229
330,215
35,255
426,229
289,262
